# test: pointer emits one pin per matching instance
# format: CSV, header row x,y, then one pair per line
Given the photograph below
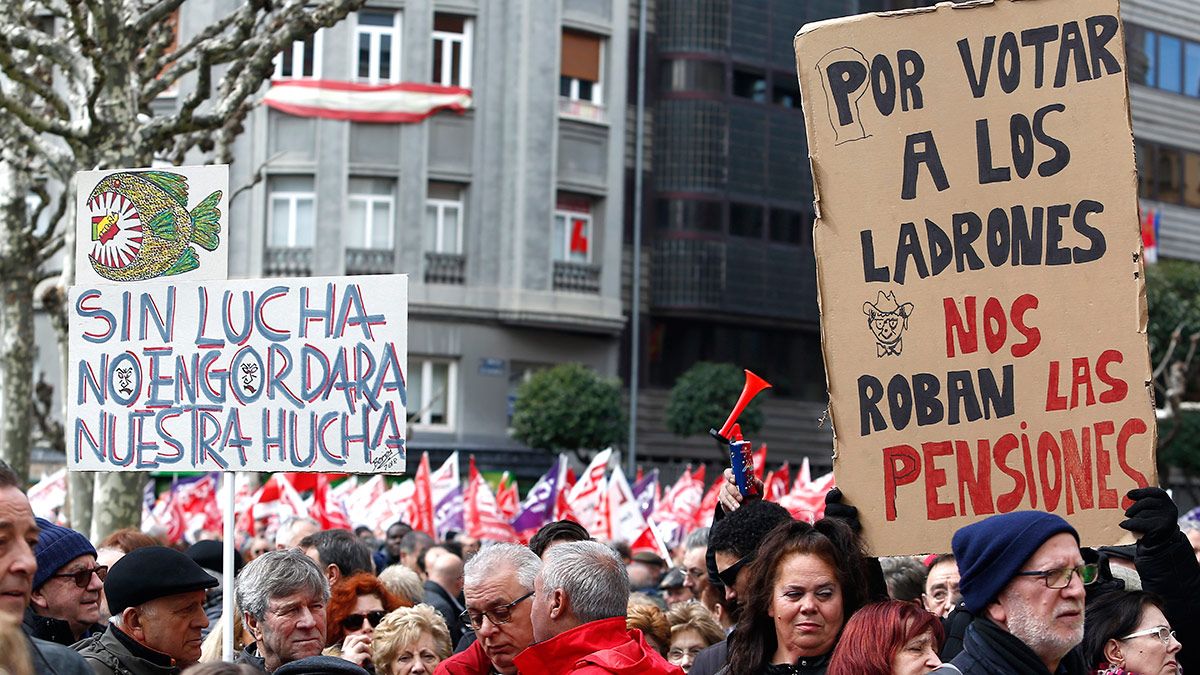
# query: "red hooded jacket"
x,y
595,648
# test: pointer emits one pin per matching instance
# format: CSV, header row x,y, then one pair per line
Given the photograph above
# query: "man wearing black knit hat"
x,y
1022,577
156,596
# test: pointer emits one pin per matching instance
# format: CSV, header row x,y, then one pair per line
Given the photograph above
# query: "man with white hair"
x,y
292,530
498,582
578,615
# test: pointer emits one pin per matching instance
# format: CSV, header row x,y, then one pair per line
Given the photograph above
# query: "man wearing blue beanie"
x,y
65,604
1022,577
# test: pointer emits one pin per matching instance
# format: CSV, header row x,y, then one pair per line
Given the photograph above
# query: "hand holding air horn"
x,y
731,434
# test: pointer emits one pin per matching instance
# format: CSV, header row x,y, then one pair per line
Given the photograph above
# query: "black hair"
x,y
8,477
555,531
341,548
1113,615
740,533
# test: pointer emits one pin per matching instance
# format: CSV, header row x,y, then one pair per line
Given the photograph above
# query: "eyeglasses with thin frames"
x,y
355,621
1061,578
1163,633
84,577
498,615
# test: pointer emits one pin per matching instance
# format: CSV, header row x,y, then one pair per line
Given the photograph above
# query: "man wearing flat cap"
x,y
156,596
1022,578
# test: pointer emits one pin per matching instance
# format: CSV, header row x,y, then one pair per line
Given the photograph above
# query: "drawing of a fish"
x,y
141,228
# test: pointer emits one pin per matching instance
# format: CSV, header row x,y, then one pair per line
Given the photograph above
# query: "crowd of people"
x,y
757,593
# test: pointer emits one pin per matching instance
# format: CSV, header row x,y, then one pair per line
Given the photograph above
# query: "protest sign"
x,y
248,375
138,224
982,300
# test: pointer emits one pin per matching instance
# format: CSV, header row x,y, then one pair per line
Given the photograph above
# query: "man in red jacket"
x,y
498,585
578,616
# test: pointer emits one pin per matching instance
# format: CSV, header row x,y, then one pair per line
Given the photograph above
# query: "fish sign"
x,y
979,269
139,224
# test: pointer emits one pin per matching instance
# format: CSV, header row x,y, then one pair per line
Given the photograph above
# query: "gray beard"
x,y
1045,643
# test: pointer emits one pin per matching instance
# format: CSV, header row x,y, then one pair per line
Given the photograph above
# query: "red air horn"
x,y
754,384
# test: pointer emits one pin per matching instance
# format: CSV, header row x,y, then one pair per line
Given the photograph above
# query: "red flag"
x,y
579,236
325,509
420,510
709,504
776,484
480,514
759,459
508,497
650,541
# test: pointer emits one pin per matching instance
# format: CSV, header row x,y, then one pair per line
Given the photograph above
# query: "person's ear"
x,y
996,612
558,604
133,624
38,600
333,574
251,625
1113,654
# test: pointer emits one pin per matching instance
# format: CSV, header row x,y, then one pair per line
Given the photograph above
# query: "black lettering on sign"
x,y
920,148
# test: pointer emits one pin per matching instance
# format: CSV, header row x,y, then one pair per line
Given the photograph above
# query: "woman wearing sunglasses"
x,y
357,605
1126,633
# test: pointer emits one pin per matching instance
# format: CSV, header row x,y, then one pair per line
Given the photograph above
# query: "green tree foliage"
x,y
1173,294
569,407
703,396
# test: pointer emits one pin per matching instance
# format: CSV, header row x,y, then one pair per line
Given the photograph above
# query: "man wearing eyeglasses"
x,y
498,585
65,604
1022,577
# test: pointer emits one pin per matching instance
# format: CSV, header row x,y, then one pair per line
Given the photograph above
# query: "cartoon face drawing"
x,y
887,321
249,375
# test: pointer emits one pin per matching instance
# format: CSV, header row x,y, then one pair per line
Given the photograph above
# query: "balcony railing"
x,y
288,262
445,268
576,277
581,110
370,261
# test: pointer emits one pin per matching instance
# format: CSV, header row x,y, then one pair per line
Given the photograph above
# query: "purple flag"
x,y
448,513
645,491
538,507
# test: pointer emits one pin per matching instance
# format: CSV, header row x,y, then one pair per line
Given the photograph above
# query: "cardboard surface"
x,y
248,375
979,266
140,224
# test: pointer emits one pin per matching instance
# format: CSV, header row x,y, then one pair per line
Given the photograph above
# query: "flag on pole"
x,y
327,509
646,492
446,489
775,486
585,494
483,520
539,505
420,509
508,497
759,459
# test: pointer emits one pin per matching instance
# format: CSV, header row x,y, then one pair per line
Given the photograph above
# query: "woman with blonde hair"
x,y
650,619
410,641
210,649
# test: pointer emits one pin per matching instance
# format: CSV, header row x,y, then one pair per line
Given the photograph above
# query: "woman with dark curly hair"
x,y
357,604
888,638
808,580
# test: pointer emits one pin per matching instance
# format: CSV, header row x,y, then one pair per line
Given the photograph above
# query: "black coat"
x,y
988,649
1169,568
441,600
711,660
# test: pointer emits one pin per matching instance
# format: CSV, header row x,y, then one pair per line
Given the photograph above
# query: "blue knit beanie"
x,y
56,547
991,552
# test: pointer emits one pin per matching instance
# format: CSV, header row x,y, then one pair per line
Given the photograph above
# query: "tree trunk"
x,y
117,502
80,485
16,322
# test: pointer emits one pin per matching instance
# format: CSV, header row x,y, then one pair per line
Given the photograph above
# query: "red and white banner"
x,y
482,519
381,103
508,497
420,509
584,497
327,509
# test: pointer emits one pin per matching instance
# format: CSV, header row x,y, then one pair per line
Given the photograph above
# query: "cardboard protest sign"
x,y
138,224
980,276
249,375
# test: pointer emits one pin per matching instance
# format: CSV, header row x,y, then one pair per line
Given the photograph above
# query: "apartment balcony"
x,y
445,268
370,261
581,110
288,262
576,277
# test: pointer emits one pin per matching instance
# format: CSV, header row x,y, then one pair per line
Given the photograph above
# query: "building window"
x,y
580,75
444,218
431,392
451,50
1170,60
1162,61
1168,174
787,227
370,217
292,212
786,92
688,214
750,85
302,61
693,75
572,229
746,220
377,39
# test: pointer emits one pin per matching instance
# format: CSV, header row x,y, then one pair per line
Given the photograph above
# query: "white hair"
x,y
591,575
278,574
493,559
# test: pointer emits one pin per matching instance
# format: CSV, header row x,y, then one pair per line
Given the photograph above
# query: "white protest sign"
x,y
249,375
